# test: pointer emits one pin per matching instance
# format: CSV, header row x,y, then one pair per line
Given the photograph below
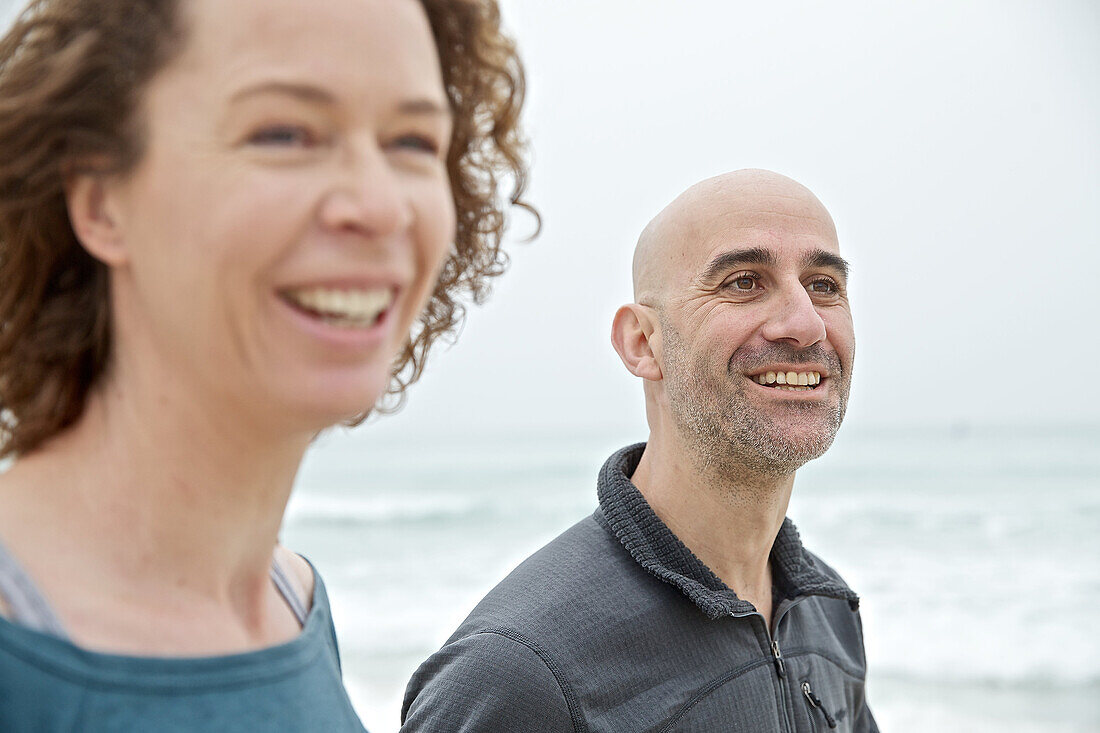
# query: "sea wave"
x,y
369,509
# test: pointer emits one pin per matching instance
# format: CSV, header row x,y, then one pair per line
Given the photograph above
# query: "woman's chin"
x,y
315,407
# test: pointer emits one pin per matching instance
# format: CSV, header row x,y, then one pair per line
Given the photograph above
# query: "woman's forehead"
x,y
353,44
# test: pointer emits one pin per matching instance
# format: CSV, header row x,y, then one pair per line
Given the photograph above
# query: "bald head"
x,y
740,288
709,212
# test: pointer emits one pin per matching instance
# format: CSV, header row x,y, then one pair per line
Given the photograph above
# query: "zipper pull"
x,y
780,668
815,702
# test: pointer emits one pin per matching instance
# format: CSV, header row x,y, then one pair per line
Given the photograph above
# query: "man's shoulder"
x,y
829,623
572,599
507,659
488,680
580,573
823,567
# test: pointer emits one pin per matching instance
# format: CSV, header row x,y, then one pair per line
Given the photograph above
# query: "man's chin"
x,y
790,456
784,448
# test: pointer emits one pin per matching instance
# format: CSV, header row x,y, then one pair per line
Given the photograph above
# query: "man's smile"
x,y
788,381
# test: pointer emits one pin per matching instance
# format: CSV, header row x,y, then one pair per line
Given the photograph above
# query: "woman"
x,y
219,224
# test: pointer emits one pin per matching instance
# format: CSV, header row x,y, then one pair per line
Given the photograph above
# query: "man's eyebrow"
x,y
820,258
733,259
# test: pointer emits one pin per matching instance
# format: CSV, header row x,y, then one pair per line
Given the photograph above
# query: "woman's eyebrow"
x,y
305,92
425,106
419,106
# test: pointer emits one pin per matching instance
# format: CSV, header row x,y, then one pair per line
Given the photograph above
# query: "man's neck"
x,y
728,519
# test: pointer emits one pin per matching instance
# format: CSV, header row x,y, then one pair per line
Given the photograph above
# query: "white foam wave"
x,y
370,509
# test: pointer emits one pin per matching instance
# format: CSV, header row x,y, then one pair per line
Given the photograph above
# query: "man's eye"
x,y
743,282
282,136
824,286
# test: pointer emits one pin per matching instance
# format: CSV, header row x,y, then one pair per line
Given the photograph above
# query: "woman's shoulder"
x,y
300,571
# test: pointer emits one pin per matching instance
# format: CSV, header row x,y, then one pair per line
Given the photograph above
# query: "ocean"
x,y
975,549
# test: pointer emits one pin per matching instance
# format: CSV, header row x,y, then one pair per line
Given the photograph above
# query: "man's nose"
x,y
795,320
368,196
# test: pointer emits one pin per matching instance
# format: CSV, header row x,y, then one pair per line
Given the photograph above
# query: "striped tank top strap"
x,y
289,591
26,604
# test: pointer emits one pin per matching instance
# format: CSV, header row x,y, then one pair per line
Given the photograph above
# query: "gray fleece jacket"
x,y
615,626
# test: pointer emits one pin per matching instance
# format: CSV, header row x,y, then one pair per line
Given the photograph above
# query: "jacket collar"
x,y
652,544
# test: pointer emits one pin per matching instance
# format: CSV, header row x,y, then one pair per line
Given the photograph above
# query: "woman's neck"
x,y
156,506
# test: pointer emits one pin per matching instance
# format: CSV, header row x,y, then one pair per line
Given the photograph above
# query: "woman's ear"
x,y
634,334
92,215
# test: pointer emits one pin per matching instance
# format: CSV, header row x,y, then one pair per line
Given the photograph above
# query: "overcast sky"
x,y
957,145
955,141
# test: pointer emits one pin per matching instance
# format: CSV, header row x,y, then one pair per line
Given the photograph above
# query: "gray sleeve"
x,y
486,682
864,721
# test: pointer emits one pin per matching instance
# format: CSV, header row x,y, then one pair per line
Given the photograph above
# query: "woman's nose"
x,y
369,197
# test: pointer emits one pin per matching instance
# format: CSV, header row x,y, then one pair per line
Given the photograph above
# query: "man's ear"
x,y
632,334
92,217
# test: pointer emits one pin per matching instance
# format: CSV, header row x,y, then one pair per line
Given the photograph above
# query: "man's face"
x,y
757,341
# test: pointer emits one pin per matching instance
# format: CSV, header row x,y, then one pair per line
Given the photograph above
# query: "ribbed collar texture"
x,y
653,546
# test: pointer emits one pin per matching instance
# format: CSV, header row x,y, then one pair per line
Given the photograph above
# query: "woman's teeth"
x,y
352,308
792,381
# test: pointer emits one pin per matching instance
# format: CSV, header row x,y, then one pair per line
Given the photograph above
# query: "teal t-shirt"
x,y
49,684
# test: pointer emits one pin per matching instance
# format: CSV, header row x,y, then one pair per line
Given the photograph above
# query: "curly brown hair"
x,y
71,77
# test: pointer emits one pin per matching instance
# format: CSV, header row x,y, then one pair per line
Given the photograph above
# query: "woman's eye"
x,y
282,136
416,143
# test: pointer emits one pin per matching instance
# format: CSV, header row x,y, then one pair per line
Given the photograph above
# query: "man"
x,y
687,602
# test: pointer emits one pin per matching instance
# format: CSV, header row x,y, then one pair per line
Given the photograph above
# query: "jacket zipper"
x,y
777,659
815,702
781,673
780,666
778,663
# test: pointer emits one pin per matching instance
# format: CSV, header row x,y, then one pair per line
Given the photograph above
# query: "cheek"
x,y
210,248
435,217
205,212
248,224
731,328
841,334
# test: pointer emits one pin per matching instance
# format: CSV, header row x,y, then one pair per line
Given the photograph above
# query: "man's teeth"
x,y
347,307
793,381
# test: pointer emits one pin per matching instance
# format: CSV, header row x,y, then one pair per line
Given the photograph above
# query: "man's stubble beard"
x,y
728,434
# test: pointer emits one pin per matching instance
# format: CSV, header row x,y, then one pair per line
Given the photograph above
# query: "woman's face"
x,y
290,214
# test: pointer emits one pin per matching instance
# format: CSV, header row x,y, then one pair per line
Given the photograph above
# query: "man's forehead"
x,y
760,217
784,243
741,210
